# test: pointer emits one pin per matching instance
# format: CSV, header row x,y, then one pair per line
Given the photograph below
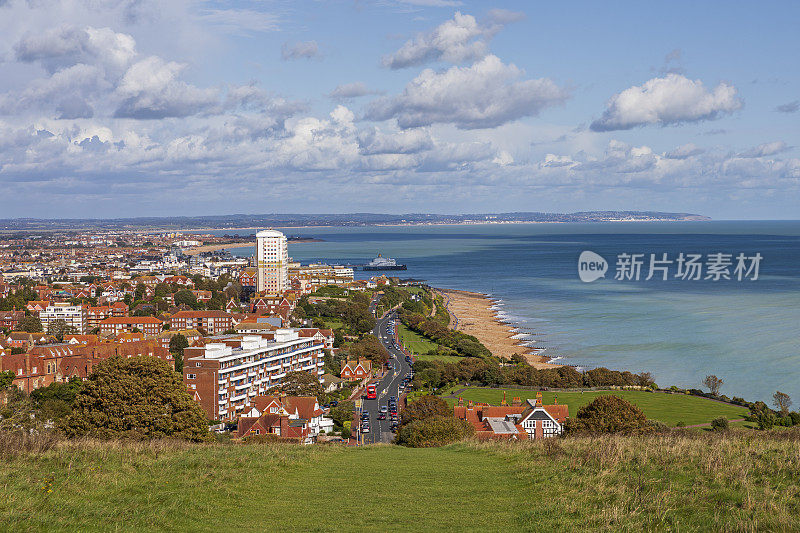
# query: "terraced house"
x,y
226,375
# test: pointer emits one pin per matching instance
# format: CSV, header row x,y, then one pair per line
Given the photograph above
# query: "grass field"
x,y
681,482
443,358
413,341
668,408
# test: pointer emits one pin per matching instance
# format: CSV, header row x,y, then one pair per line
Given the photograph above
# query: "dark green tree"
x,y
300,383
608,414
426,407
30,324
176,345
434,431
185,296
137,398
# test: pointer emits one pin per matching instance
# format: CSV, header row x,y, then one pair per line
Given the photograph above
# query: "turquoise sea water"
x,y
747,332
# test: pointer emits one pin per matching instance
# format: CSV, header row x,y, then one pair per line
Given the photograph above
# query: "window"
x,y
191,376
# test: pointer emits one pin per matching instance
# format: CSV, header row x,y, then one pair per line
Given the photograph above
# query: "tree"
x,y
713,383
782,401
369,347
426,407
176,345
434,431
608,414
138,398
6,379
185,296
58,328
342,413
30,324
301,383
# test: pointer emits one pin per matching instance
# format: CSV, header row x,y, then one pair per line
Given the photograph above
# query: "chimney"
x,y
469,405
516,402
504,399
539,399
555,402
460,401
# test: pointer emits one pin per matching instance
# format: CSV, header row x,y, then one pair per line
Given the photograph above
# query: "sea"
x,y
746,331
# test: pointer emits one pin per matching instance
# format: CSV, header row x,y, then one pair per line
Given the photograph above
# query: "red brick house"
x,y
37,306
213,322
148,325
10,319
290,417
356,369
530,420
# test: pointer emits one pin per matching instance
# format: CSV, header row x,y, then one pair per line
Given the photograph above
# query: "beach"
x,y
197,250
475,314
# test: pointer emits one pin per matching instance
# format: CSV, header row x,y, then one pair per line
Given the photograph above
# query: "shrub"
x,y
608,414
346,433
795,416
681,424
720,424
434,431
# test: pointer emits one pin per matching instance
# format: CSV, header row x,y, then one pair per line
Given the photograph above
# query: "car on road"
x,y
382,416
384,408
334,403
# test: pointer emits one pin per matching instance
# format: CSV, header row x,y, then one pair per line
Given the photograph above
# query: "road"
x,y
388,385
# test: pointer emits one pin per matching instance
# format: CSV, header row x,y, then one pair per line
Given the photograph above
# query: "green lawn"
x,y
413,341
668,408
332,323
443,358
261,488
694,481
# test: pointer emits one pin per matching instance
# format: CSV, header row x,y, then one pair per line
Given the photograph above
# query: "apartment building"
x,y
148,325
212,322
225,376
272,262
74,316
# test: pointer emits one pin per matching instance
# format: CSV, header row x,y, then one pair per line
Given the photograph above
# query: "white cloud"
x,y
684,152
301,50
484,95
373,141
764,150
241,21
673,99
150,90
459,40
348,91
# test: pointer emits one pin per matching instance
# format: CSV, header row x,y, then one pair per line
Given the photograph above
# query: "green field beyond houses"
x,y
680,482
668,408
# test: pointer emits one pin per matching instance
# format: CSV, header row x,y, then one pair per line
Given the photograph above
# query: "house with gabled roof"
x,y
531,420
290,417
359,369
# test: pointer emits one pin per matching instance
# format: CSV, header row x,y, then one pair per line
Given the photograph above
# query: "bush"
x,y
346,433
608,414
795,416
681,424
434,431
720,424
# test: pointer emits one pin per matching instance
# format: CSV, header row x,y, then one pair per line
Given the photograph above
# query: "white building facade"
x,y
74,316
272,262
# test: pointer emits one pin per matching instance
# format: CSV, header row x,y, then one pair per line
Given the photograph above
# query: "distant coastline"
x,y
289,220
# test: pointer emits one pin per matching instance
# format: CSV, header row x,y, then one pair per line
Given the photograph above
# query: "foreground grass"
x,y
668,408
745,481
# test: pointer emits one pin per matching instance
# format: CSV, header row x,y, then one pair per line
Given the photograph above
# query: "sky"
x,y
124,108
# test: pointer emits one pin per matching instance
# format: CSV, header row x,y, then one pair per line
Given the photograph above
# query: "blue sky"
x,y
138,107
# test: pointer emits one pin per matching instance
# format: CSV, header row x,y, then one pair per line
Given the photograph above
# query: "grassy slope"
x,y
258,488
443,358
679,482
668,408
413,341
